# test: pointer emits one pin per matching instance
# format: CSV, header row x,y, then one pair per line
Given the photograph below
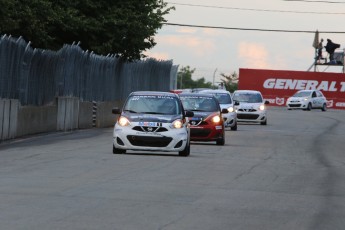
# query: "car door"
x,y
314,100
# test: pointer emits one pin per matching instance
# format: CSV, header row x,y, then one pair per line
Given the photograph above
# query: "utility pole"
x,y
214,75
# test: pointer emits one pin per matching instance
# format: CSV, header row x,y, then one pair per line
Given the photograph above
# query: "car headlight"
x,y
262,107
123,121
177,124
231,109
306,99
216,119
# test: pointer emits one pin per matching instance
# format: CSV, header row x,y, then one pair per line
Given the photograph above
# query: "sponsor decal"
x,y
148,133
340,104
270,100
280,101
149,124
295,84
330,103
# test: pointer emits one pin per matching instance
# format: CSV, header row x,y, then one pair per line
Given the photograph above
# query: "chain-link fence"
x,y
37,77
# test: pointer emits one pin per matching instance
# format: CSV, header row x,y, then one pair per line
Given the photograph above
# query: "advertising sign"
x,y
277,85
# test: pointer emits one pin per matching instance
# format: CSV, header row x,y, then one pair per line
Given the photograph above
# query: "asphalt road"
x,y
288,175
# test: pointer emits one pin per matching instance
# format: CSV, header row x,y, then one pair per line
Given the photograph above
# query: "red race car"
x,y
207,124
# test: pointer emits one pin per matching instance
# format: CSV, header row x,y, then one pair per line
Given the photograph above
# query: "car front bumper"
x,y
257,116
206,132
171,140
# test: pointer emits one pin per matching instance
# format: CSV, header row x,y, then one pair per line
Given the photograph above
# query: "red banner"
x,y
277,85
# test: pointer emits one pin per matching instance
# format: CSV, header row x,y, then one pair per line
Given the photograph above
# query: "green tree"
x,y
122,27
185,81
230,81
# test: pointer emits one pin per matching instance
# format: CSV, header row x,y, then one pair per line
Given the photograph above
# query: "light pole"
x,y
214,75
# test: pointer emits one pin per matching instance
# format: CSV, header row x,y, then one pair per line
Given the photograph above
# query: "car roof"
x,y
215,91
162,93
196,94
307,90
247,91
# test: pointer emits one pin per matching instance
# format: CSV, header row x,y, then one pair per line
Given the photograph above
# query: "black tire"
x,y
221,141
118,151
186,151
264,122
234,128
309,107
324,107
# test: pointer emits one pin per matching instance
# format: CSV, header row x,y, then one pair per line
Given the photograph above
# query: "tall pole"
x,y
214,75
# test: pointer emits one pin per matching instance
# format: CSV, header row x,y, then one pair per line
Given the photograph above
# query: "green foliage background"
x,y
122,27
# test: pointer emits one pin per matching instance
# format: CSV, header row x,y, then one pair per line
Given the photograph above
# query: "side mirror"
x,y
225,110
116,110
189,113
267,102
237,103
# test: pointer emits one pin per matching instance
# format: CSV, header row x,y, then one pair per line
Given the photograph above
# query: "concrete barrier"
x,y
36,119
104,117
67,114
8,118
85,115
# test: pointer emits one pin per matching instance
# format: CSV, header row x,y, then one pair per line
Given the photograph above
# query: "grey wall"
x,y
67,114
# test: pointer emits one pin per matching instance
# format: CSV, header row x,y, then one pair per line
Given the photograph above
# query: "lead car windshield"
x,y
302,94
152,104
248,97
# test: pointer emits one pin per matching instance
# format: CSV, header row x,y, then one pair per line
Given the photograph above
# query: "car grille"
x,y
248,116
247,110
197,123
199,132
295,105
149,141
150,129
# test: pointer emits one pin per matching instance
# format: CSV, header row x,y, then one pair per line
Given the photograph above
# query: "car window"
x,y
223,98
302,94
248,97
155,104
319,94
199,103
314,94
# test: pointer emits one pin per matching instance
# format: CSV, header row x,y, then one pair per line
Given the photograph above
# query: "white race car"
x,y
250,106
307,100
225,101
152,121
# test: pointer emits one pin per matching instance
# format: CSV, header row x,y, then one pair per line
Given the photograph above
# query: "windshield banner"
x,y
277,85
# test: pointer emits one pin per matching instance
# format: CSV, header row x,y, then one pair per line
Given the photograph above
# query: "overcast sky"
x,y
219,51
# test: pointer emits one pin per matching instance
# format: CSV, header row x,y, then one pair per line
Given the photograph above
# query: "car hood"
x,y
137,117
244,105
225,106
201,115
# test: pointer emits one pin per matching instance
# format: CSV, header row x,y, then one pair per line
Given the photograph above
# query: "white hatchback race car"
x,y
307,100
250,106
152,121
225,101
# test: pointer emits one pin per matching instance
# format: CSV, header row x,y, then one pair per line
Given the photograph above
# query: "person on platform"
x,y
330,48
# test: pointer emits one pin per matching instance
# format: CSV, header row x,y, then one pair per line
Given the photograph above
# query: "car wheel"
x,y
186,151
264,122
309,107
221,141
324,107
234,128
118,151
